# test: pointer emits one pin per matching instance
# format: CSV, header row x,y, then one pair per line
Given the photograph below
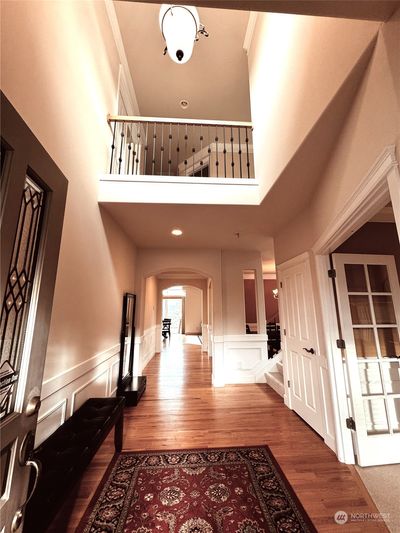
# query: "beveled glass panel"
x,y
379,278
391,377
394,413
360,310
376,416
384,309
370,379
16,300
355,278
365,342
5,463
389,342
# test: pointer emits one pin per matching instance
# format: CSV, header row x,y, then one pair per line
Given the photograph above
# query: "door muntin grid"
x,y
16,300
376,340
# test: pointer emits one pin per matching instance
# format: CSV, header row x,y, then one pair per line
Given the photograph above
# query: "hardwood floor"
x,y
180,409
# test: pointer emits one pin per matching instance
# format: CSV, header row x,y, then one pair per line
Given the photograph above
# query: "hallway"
x,y
180,409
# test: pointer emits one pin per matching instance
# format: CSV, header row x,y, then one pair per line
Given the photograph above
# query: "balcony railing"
x,y
143,146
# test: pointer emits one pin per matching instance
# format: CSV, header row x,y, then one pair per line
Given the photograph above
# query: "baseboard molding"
x,y
145,348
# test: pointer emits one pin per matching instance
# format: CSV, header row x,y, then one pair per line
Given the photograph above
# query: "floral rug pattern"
x,y
224,490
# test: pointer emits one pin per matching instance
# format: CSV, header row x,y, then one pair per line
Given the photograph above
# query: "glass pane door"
x,y
369,308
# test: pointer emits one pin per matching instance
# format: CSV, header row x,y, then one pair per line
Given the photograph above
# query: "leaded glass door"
x,y
33,192
369,308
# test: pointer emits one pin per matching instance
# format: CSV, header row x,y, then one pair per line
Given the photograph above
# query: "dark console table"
x,y
133,390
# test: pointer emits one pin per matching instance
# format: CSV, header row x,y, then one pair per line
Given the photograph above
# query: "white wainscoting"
x,y
204,337
64,393
239,359
245,358
145,349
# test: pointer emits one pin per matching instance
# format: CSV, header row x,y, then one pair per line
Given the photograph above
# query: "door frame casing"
x,y
379,186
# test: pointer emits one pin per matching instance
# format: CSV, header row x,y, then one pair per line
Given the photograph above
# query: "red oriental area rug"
x,y
224,490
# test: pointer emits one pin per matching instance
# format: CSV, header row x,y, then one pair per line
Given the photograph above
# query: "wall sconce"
x,y
180,27
275,293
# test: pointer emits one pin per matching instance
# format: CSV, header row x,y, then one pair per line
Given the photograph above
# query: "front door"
x,y
369,308
300,341
33,193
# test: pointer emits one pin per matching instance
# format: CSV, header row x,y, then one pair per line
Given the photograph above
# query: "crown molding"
x,y
251,25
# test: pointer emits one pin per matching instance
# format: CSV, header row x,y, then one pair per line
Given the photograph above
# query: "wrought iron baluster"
x,y
177,153
240,155
113,147
169,149
121,147
201,150
193,149
224,153
146,148
233,162
129,158
209,151
153,159
247,153
216,150
139,148
162,148
186,146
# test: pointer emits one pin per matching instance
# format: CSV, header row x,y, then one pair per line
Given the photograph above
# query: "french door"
x,y
369,309
33,193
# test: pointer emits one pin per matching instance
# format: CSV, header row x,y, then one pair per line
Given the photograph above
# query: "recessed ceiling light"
x,y
184,104
177,232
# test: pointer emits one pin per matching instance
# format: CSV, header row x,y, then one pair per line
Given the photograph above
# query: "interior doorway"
x,y
376,194
367,267
173,309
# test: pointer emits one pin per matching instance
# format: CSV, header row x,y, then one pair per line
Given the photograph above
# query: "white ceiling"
x,y
214,81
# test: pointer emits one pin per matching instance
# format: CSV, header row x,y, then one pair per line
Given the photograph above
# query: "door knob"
x,y
33,406
309,350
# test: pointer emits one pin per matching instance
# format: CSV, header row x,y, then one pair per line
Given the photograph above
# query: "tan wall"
x,y
373,124
150,306
296,66
193,310
60,70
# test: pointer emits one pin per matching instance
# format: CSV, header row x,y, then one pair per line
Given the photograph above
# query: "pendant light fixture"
x,y
180,27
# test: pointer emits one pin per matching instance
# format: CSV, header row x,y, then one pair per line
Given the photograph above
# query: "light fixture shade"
x,y
179,26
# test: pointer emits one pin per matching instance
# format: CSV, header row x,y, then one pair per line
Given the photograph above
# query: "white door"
x,y
300,342
32,207
369,308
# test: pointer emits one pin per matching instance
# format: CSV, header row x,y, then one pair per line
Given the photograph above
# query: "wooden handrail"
x,y
190,121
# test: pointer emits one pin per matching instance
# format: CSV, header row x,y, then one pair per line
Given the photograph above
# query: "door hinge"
x,y
340,344
281,285
332,273
350,424
288,383
284,332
